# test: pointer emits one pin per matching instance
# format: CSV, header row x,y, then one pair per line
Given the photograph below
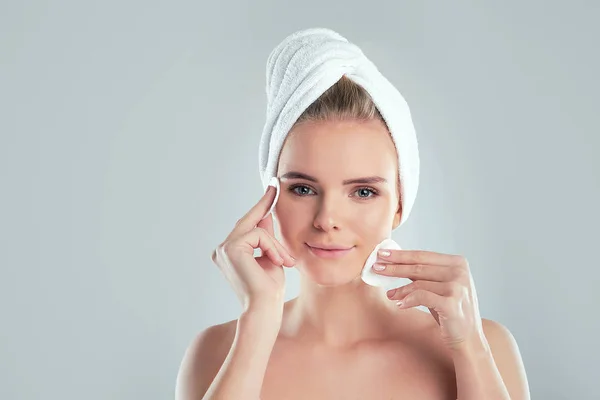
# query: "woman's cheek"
x,y
373,219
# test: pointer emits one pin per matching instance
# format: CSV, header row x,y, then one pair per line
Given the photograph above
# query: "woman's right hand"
x,y
259,282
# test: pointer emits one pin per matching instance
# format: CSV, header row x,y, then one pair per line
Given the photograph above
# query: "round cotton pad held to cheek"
x,y
372,278
275,183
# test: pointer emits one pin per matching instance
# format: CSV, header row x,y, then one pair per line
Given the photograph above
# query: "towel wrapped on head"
x,y
301,68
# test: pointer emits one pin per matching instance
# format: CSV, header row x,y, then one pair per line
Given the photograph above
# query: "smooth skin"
x,y
341,338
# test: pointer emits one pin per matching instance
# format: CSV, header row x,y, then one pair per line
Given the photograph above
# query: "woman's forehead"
x,y
349,149
336,136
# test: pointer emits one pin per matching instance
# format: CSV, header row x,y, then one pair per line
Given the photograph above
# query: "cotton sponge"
x,y
275,183
372,278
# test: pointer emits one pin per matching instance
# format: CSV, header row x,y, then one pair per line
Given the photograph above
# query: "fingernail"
x,y
384,253
378,267
399,303
391,292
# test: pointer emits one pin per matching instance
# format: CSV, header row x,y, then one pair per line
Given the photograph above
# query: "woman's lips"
x,y
329,253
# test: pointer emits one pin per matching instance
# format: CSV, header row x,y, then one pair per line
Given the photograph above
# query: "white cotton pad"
x,y
372,278
273,182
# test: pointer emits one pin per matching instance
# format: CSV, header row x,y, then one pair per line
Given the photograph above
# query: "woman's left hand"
x,y
442,283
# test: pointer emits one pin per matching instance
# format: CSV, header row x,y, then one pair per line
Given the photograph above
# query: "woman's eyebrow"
x,y
365,180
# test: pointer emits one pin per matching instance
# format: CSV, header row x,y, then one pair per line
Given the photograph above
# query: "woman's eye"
x,y
365,191
302,192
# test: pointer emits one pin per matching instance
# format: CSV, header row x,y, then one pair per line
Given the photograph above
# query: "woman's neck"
x,y
340,316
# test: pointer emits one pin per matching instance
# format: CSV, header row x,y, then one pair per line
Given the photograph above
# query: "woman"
x,y
341,338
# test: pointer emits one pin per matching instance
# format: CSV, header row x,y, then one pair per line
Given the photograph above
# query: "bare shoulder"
x,y
507,358
499,336
202,360
501,340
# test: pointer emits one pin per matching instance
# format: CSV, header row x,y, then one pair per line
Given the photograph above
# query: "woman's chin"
x,y
331,277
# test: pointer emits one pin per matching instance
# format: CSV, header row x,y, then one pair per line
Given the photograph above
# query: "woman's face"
x,y
317,207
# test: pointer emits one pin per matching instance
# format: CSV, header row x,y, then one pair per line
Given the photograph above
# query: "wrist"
x,y
266,305
475,347
263,318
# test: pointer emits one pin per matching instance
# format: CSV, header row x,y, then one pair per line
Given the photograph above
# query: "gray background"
x,y
129,148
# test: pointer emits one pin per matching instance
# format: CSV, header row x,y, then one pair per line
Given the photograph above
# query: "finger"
x,y
441,304
415,272
283,252
260,239
255,214
446,289
420,257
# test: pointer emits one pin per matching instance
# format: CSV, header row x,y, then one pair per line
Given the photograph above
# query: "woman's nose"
x,y
328,214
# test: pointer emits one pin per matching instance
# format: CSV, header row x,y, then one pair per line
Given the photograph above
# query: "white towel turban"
x,y
301,68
